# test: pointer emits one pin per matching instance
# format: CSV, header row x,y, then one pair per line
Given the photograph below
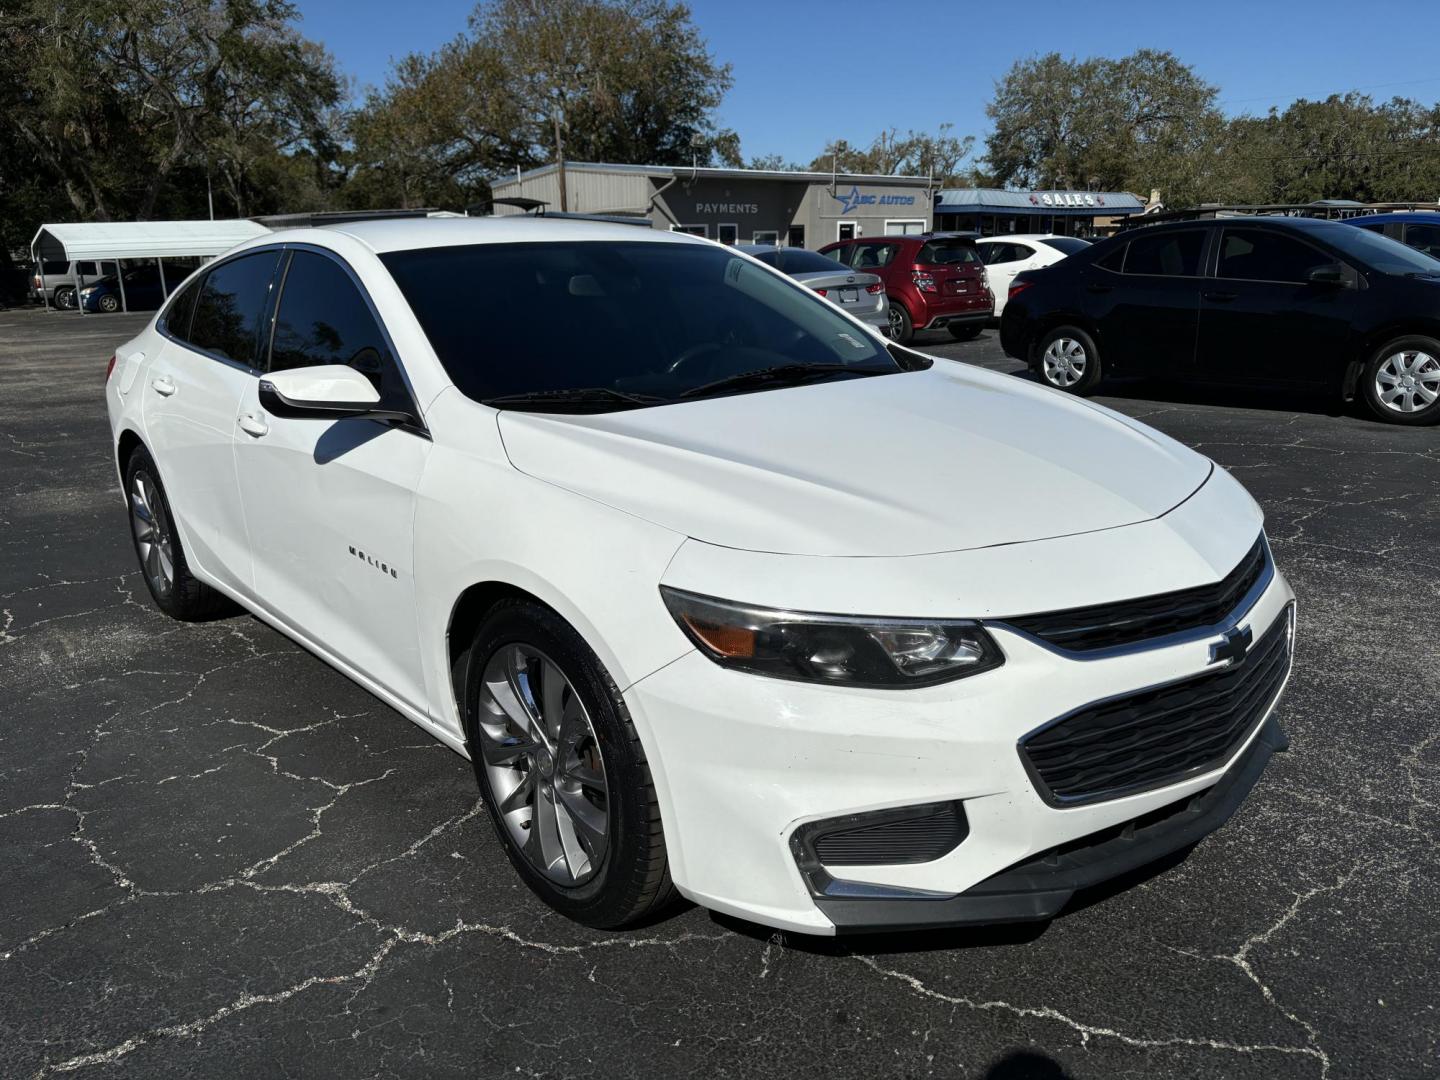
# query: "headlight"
x,y
840,649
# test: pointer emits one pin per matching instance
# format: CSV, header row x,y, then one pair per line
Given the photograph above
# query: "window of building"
x,y
905,227
231,306
795,236
1262,255
1168,254
728,234
766,236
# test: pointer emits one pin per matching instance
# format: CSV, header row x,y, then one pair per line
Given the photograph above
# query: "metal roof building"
x,y
992,210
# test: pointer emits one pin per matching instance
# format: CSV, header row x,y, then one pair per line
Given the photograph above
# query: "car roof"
x,y
404,234
1298,224
1428,217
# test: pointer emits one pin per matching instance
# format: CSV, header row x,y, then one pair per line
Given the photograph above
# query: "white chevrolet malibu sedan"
x,y
724,595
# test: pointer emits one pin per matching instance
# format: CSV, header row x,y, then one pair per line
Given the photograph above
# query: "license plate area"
x,y
849,296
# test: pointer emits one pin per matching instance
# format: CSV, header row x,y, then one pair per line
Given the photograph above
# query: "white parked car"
x,y
723,594
1006,256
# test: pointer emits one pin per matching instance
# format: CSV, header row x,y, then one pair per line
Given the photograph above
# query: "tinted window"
x,y
996,254
1261,255
1424,238
1067,244
1173,254
323,319
947,253
231,306
1379,252
53,268
1114,259
800,261
640,317
176,320
871,256
843,254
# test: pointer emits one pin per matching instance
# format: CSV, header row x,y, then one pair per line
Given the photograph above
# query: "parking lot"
x,y
220,857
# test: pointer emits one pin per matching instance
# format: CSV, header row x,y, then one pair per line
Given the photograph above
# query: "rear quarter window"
x,y
947,253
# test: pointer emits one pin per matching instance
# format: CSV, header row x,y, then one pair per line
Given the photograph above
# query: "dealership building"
x,y
744,206
992,212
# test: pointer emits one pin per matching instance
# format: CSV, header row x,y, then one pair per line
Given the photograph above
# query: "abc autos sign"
x,y
854,199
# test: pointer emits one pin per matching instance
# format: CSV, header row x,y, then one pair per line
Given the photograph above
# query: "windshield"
x,y
800,261
648,319
1380,252
1067,245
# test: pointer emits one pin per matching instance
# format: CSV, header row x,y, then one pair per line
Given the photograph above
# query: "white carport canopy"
x,y
120,240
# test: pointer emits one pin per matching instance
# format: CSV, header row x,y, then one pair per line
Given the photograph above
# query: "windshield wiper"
x,y
577,396
781,373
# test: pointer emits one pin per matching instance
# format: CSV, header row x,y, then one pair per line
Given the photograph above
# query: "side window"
x,y
1172,254
176,320
1020,252
871,256
231,306
1262,255
1115,260
840,254
1424,238
323,319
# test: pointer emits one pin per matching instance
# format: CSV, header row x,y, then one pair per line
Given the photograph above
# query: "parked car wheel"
x,y
1068,360
1401,383
109,303
964,331
65,299
176,591
902,330
562,769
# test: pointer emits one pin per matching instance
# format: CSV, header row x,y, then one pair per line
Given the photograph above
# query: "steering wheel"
x,y
692,353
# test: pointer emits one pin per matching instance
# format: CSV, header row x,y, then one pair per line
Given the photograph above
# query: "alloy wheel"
x,y
896,326
153,538
109,303
544,765
1064,361
1408,381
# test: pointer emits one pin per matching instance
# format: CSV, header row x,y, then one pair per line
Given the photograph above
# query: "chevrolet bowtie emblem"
x,y
1231,649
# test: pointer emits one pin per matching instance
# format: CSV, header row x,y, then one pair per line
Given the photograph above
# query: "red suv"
x,y
932,280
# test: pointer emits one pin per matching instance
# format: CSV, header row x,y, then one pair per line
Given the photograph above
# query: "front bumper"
x,y
742,762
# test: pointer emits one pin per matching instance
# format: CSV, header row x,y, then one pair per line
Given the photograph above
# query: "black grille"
x,y
916,834
1101,626
1161,735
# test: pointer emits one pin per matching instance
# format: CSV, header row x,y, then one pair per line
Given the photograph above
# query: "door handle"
x,y
164,385
1099,288
252,425
1221,297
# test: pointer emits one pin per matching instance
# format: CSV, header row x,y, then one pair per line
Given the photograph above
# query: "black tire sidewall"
x,y
904,333
1092,375
1430,414
188,598
604,900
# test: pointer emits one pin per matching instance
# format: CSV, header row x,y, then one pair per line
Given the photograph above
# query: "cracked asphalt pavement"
x,y
219,857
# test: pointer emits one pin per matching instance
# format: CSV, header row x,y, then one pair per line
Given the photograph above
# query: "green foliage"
x,y
893,154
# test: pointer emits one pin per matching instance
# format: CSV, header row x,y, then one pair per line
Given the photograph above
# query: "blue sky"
x,y
806,73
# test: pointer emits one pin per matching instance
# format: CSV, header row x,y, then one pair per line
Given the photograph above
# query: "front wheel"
x,y
562,770
1069,360
109,304
65,299
902,329
1401,381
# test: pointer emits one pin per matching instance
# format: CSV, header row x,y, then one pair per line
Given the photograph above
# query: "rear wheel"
x,y
1068,360
562,769
1401,382
176,591
902,329
964,331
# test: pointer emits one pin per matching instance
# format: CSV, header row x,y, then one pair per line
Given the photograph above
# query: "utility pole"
x,y
560,162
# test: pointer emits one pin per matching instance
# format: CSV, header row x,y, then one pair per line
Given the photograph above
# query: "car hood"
x,y
946,459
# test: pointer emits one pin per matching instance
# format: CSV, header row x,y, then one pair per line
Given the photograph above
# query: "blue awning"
x,y
1037,203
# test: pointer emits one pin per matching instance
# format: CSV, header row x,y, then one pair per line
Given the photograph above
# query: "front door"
x,y
192,392
1262,320
330,504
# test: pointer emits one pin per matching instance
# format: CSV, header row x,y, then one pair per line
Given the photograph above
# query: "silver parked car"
x,y
858,293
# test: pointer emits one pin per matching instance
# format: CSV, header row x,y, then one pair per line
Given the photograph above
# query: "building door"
x,y
795,236
727,234
845,230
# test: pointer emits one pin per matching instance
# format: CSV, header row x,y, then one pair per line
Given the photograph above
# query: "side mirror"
x,y
327,392
1330,274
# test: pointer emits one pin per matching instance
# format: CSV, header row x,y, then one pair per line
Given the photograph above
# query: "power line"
x,y
1333,93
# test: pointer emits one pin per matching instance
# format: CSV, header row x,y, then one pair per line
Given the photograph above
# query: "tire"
x,y
1413,360
1066,359
902,330
176,591
964,331
65,299
587,768
109,304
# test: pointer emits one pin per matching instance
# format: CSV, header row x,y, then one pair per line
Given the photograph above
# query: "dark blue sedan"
x,y
1420,229
143,291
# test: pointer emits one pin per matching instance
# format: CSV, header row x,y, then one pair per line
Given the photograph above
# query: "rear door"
x,y
1262,321
192,390
1149,314
330,504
